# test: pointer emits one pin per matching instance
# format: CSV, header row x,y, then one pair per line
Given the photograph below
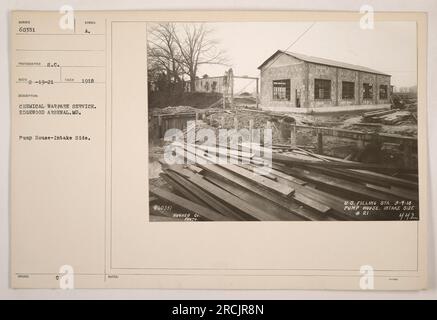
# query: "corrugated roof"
x,y
323,61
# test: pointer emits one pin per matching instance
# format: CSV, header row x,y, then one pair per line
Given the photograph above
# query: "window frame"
x,y
352,97
386,92
370,85
276,89
324,81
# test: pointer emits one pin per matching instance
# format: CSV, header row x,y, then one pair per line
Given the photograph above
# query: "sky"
x,y
390,47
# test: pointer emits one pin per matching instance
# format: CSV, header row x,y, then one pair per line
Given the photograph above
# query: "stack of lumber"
x,y
299,186
388,117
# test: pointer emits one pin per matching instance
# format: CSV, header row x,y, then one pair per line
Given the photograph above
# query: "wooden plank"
x,y
194,168
288,159
390,179
312,154
407,176
328,158
268,195
207,199
296,154
339,184
365,124
378,113
355,134
180,189
282,177
329,199
322,199
252,168
224,151
349,175
398,192
232,200
311,203
254,199
334,201
189,205
211,159
181,148
265,182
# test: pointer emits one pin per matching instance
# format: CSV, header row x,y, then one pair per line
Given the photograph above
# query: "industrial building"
x,y
299,83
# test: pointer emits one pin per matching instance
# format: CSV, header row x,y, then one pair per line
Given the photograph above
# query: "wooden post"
x,y
284,131
235,123
293,137
231,87
224,99
225,88
159,126
268,126
257,93
197,117
359,87
375,91
222,122
250,130
319,142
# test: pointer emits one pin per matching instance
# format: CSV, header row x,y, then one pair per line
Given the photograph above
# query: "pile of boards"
x,y
389,117
300,185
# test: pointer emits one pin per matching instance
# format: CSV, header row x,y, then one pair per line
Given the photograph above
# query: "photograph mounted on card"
x,y
226,150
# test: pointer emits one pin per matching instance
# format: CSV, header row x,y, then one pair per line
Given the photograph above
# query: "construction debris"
x,y
360,166
175,109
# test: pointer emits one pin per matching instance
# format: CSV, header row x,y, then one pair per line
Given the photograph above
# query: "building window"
x,y
322,89
348,90
383,92
281,89
367,91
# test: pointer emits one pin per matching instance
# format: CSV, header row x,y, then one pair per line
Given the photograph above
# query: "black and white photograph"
x,y
282,121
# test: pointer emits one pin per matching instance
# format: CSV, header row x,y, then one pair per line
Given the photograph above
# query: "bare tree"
x,y
163,53
197,47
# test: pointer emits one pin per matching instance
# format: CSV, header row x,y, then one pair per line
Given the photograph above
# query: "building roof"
x,y
322,61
